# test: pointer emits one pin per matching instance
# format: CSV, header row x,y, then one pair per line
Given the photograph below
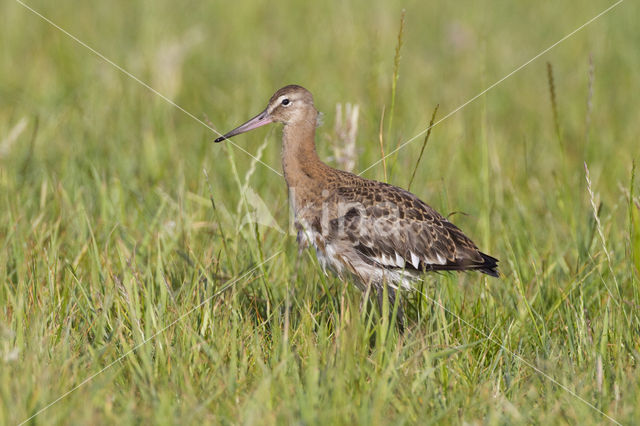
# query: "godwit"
x,y
378,233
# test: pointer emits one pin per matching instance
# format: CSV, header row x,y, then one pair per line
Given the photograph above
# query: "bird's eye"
x,y
285,102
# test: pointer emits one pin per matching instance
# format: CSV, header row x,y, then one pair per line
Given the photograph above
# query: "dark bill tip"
x,y
257,121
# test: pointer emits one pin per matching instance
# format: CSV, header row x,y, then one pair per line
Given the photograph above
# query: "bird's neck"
x,y
300,161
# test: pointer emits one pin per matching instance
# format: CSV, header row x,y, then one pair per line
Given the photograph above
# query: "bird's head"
x,y
289,105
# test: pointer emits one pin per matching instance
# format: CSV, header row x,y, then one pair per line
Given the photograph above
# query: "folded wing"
x,y
402,232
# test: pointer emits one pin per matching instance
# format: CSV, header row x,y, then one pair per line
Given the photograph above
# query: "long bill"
x,y
257,121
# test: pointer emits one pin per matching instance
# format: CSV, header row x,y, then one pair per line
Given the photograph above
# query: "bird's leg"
x,y
400,320
391,297
297,265
302,244
380,294
365,297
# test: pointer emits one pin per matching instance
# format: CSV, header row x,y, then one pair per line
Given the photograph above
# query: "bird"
x,y
381,235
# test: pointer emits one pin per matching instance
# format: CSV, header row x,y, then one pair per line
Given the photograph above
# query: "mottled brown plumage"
x,y
376,232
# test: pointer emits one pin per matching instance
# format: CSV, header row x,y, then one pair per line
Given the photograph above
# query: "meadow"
x,y
136,286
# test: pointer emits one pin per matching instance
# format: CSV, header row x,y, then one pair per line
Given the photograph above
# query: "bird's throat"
x,y
300,161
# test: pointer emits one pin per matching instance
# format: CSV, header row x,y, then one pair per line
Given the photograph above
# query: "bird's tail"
x,y
490,265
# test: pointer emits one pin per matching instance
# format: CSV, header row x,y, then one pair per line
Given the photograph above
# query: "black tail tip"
x,y
490,265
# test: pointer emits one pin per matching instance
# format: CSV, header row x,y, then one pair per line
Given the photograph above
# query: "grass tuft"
x,y
603,241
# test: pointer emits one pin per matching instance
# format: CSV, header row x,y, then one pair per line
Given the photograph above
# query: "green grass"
x,y
108,235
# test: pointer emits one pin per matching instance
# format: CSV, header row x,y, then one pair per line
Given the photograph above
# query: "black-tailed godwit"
x,y
378,233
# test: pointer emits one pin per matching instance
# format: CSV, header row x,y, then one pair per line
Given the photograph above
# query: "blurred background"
x,y
224,61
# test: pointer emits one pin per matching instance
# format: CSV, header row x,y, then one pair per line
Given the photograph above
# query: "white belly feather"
x,y
342,258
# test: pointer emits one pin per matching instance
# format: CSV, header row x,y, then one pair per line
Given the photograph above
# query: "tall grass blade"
x,y
424,144
381,140
603,241
554,104
394,81
587,119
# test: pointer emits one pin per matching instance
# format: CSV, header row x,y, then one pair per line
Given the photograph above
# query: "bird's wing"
x,y
392,228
